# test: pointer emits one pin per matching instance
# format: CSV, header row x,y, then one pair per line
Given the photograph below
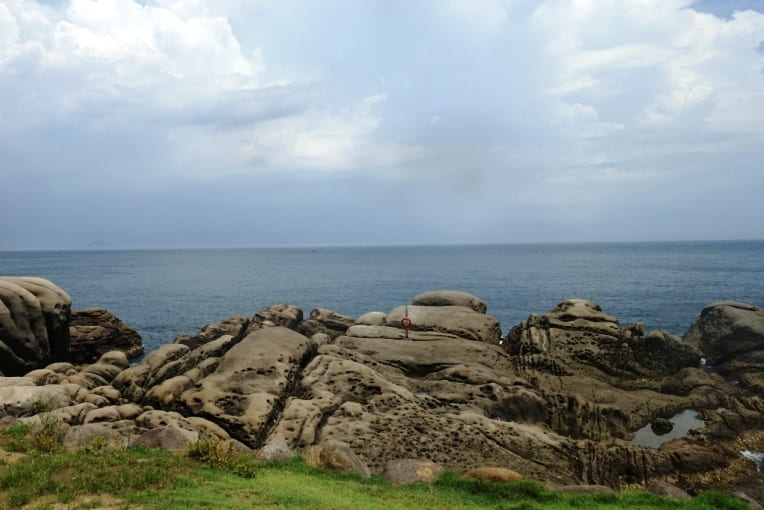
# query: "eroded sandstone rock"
x,y
246,391
459,321
233,327
34,324
577,336
450,298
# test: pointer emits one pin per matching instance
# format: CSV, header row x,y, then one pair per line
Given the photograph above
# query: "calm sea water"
x,y
166,293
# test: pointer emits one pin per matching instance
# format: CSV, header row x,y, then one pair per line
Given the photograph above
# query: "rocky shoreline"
x,y
558,399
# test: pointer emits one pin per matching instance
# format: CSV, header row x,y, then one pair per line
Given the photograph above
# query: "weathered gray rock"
x,y
200,428
450,298
233,327
660,352
667,490
492,474
387,403
336,456
113,413
113,434
404,471
372,319
274,451
34,324
727,330
250,382
393,333
95,331
577,336
29,400
194,364
325,321
754,503
73,414
286,316
661,426
132,382
165,437
459,321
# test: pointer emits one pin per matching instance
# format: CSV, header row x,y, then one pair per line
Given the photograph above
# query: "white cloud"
x,y
178,72
683,69
551,105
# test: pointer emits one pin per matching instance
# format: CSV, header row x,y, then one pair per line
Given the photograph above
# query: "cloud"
x,y
505,118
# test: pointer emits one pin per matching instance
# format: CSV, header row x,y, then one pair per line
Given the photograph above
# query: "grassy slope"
x,y
210,477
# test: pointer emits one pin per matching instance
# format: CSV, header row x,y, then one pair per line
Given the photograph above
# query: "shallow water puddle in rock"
x,y
682,423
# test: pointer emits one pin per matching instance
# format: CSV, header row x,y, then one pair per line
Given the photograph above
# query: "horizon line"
x,y
350,246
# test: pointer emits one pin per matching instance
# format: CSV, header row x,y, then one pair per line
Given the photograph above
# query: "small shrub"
x,y
226,458
98,444
49,435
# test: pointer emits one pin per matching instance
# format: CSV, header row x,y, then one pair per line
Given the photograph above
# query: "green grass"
x,y
210,476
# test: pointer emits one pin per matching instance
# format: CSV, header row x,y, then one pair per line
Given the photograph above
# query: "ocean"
x,y
166,293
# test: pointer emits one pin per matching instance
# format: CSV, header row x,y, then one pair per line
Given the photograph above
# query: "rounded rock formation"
x,y
34,324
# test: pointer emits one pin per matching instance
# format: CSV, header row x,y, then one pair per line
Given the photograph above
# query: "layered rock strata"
x,y
95,331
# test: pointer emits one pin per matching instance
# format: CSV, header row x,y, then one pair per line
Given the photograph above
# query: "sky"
x,y
193,123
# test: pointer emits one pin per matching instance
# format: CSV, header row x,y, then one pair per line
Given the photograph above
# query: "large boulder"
x,y
459,321
249,385
403,471
283,315
25,399
727,331
336,456
578,337
450,298
95,331
34,324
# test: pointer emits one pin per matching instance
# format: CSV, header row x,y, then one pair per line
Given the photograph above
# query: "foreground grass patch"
x,y
209,478
67,475
293,485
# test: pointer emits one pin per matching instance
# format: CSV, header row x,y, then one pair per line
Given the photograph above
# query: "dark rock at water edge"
x,y
95,331
731,336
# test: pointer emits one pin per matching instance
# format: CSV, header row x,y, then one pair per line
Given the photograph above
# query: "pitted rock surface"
x,y
246,391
